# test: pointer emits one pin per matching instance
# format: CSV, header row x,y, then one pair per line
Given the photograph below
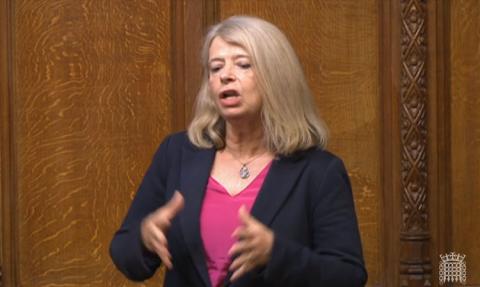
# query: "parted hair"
x,y
289,117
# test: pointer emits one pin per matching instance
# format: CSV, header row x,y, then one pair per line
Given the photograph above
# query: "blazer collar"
x,y
278,184
196,166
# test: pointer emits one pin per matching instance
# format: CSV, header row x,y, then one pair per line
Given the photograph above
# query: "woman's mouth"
x,y
229,98
229,94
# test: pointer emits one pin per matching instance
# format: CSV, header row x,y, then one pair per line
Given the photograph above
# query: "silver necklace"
x,y
244,170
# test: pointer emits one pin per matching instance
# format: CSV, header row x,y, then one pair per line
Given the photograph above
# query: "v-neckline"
x,y
247,186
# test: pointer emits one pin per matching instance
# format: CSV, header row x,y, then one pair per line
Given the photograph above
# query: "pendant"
x,y
244,172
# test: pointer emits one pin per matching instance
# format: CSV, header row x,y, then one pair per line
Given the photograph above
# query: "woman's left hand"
x,y
253,246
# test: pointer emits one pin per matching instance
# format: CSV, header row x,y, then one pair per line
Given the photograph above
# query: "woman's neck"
x,y
245,141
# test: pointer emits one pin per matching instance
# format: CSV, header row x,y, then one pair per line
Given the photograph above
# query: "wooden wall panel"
x,y
92,86
89,88
338,44
438,121
465,132
5,143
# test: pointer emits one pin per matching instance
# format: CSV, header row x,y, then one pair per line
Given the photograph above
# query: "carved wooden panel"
x,y
338,45
465,132
92,97
415,266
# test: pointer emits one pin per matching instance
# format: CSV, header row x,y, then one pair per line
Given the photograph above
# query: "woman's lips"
x,y
229,98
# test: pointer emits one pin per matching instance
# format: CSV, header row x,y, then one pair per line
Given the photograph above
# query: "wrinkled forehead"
x,y
219,47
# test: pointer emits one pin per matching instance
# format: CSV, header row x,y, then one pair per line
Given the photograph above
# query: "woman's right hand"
x,y
155,226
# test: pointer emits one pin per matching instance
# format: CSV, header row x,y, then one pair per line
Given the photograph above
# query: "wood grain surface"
x,y
92,102
6,162
337,43
465,132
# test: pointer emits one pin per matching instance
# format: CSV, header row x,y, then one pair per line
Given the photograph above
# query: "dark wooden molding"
x,y
439,131
8,238
178,63
415,237
200,15
191,20
212,13
389,26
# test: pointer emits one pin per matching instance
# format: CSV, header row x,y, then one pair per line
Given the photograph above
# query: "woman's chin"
x,y
240,117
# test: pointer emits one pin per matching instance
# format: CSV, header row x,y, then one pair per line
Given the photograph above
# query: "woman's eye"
x,y
214,69
245,65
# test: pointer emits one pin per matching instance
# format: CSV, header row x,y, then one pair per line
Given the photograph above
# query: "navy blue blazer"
x,y
306,200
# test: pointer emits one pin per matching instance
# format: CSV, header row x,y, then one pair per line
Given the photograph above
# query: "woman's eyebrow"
x,y
235,57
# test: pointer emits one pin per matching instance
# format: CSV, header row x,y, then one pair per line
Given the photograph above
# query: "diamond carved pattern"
x,y
415,266
413,116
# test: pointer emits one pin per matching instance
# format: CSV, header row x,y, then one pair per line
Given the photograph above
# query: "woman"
x,y
248,197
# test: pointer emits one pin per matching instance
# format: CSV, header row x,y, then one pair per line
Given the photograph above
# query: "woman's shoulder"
x,y
170,144
322,160
176,138
177,141
318,156
325,169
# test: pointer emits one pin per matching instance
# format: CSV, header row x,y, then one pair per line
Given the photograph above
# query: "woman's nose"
x,y
227,75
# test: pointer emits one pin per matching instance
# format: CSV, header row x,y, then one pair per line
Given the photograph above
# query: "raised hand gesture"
x,y
155,226
253,247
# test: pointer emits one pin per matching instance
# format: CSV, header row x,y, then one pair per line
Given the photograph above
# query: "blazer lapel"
x,y
279,183
280,180
196,166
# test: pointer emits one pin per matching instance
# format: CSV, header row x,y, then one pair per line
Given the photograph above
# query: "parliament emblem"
x,y
453,268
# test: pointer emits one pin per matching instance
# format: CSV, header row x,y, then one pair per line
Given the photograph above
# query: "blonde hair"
x,y
289,118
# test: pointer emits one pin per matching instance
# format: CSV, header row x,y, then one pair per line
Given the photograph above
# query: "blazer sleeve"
x,y
126,249
335,257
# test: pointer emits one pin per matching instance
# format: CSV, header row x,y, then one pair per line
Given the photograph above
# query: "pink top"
x,y
218,220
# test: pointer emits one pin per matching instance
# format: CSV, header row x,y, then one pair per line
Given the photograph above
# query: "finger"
x,y
240,247
244,215
162,221
167,261
164,254
159,236
161,249
239,273
241,233
160,246
174,205
159,242
249,222
150,232
244,259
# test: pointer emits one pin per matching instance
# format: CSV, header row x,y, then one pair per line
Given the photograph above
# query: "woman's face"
x,y
232,81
